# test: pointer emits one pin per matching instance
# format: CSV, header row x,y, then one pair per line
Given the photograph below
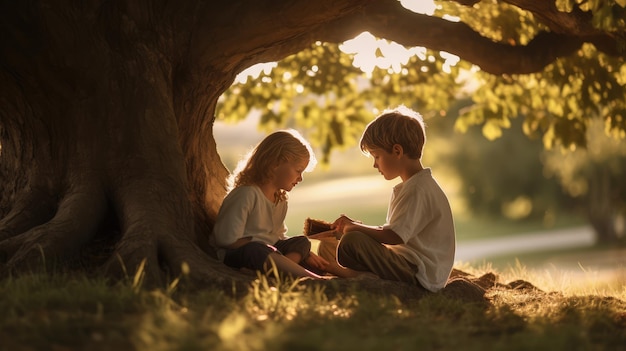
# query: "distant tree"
x,y
504,177
595,175
107,107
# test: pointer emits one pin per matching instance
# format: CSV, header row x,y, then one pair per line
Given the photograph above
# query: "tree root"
x,y
56,240
169,258
31,207
81,232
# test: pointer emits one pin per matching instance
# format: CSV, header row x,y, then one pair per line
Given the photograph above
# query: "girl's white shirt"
x,y
247,212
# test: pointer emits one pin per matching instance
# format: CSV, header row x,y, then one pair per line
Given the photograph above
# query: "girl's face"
x,y
387,163
288,174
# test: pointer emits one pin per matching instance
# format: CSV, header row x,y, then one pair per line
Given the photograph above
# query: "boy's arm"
x,y
384,236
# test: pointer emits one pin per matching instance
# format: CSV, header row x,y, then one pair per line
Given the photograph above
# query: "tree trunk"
x,y
603,211
89,132
106,127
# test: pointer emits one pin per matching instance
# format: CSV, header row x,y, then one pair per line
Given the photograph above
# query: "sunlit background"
x,y
350,185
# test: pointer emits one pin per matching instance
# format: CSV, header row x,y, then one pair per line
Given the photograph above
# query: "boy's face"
x,y
288,174
387,163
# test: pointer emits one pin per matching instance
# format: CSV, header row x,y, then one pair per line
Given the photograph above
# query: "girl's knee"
x,y
301,246
302,242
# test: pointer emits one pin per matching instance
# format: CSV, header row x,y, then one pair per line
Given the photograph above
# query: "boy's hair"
x,y
401,126
281,146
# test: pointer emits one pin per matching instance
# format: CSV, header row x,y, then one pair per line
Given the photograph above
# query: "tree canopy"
x,y
556,64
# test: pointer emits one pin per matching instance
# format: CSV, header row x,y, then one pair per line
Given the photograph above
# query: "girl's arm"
x,y
239,243
229,229
316,261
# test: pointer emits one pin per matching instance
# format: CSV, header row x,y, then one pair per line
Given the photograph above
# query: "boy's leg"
x,y
327,249
360,252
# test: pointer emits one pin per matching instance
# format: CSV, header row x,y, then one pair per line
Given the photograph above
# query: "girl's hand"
x,y
317,262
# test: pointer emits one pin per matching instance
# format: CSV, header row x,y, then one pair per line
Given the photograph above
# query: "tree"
x,y
504,177
595,176
107,109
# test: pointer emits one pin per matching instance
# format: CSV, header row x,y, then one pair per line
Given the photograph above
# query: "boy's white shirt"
x,y
246,211
419,212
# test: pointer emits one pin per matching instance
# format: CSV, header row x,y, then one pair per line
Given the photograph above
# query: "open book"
x,y
316,228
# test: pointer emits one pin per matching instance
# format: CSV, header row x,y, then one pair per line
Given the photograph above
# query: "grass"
x,y
539,259
473,228
595,269
58,312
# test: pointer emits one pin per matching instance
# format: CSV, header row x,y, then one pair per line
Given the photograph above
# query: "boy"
x,y
417,244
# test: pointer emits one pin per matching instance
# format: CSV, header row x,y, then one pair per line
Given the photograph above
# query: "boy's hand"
x,y
340,224
317,262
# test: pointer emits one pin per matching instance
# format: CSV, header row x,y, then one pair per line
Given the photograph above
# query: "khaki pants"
x,y
360,252
327,248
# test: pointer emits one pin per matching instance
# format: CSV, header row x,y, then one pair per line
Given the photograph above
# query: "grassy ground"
x,y
590,269
64,313
61,313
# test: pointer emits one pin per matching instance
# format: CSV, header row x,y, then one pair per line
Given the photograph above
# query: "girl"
x,y
250,225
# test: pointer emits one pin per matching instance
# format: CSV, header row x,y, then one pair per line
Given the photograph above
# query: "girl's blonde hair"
x,y
257,167
401,126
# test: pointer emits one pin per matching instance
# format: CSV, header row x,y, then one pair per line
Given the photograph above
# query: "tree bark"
x,y
91,129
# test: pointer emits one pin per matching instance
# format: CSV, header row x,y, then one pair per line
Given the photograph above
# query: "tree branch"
x,y
264,30
264,39
575,23
388,19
